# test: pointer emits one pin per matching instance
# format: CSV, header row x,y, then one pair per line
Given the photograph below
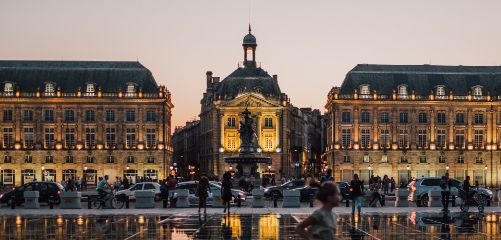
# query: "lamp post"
x,y
447,169
492,144
408,172
297,169
370,170
485,176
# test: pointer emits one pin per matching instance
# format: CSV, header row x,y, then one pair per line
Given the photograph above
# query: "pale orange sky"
x,y
311,45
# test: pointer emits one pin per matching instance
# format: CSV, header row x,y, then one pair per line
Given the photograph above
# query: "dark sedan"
x,y
45,189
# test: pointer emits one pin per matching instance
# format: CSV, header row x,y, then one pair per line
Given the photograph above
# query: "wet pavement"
x,y
413,225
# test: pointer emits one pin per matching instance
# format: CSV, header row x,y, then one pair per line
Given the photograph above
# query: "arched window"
x,y
8,89
49,89
477,91
90,89
131,90
440,91
365,91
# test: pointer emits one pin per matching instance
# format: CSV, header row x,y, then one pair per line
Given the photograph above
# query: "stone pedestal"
x,y
71,200
218,199
402,198
182,200
144,199
291,199
31,199
258,198
434,198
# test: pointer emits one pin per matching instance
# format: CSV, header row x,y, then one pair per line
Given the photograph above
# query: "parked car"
x,y
192,187
45,189
276,191
345,189
153,186
419,190
307,192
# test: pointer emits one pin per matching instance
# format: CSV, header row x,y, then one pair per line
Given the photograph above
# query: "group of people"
x,y
70,184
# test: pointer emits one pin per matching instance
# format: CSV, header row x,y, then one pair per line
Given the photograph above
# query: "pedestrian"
x,y
357,194
327,176
321,224
164,190
70,186
226,191
273,183
126,183
376,195
386,184
171,184
77,184
392,185
445,185
84,184
203,193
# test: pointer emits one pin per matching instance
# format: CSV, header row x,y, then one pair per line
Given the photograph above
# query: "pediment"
x,y
251,100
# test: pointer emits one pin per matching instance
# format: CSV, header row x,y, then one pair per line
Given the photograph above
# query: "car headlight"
x,y
266,190
1,195
489,191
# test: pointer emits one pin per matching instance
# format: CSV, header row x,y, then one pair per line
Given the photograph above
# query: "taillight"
x,y
58,192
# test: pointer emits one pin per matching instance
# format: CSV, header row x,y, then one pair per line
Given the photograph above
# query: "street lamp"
x,y
297,169
485,175
409,172
370,169
447,169
231,168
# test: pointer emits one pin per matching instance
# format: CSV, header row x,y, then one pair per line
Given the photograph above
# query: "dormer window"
x,y
90,89
131,90
49,89
8,89
477,91
402,92
365,91
440,91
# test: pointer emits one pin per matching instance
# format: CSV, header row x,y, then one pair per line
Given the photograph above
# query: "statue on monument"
x,y
246,130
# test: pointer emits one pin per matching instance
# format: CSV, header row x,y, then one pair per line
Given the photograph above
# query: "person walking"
x,y
392,185
226,191
445,185
386,184
164,190
203,193
327,176
357,194
321,224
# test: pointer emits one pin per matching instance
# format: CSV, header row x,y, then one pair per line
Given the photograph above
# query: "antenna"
x,y
250,10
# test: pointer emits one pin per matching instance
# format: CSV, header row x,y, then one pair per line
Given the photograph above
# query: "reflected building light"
x,y
269,227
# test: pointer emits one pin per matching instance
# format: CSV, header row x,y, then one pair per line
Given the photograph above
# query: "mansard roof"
x,y
248,79
422,79
69,76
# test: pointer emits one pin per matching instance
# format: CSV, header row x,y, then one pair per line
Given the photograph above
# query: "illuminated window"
x,y
49,138
346,138
250,55
231,122
90,137
402,92
70,138
440,91
366,138
268,142
90,90
29,137
422,138
110,137
403,140
479,139
441,138
131,90
8,89
151,139
8,140
130,141
49,89
268,122
460,139
365,91
384,138
477,91
231,142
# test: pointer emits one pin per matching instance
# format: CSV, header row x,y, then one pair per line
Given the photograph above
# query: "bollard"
x,y
275,201
165,203
453,201
347,202
239,202
127,201
51,202
488,203
13,202
311,202
89,202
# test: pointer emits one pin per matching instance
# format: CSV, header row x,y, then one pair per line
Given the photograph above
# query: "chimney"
x,y
275,78
215,79
209,78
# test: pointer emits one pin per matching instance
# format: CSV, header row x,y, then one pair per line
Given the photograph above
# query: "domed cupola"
x,y
250,45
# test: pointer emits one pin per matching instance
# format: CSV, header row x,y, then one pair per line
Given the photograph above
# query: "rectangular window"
x,y
422,159
442,159
150,159
365,138
110,137
384,117
479,160
130,140
268,141
49,159
365,117
130,116
151,116
90,116
441,138
403,159
28,159
385,138
110,159
7,115
479,139
232,142
479,118
403,140
231,122
69,116
7,159
29,137
460,159
346,138
130,159
28,116
151,138
441,118
423,117
49,138
69,138
422,138
346,159
49,116
268,122
90,138
345,117
404,117
110,116
8,139
460,118
460,139
69,159
91,159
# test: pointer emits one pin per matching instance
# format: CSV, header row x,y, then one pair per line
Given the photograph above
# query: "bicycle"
x,y
115,201
476,199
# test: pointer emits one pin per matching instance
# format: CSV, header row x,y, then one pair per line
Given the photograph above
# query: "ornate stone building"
x,y
277,122
421,120
62,119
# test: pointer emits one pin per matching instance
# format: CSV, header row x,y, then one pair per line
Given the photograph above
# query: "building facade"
x,y
186,144
69,119
276,120
414,121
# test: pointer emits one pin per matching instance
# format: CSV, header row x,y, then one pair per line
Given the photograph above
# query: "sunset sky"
x,y
311,45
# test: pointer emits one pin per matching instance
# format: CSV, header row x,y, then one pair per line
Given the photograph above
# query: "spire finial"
x,y
250,30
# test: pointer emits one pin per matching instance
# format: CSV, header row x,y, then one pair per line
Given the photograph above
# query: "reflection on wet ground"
x,y
247,226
